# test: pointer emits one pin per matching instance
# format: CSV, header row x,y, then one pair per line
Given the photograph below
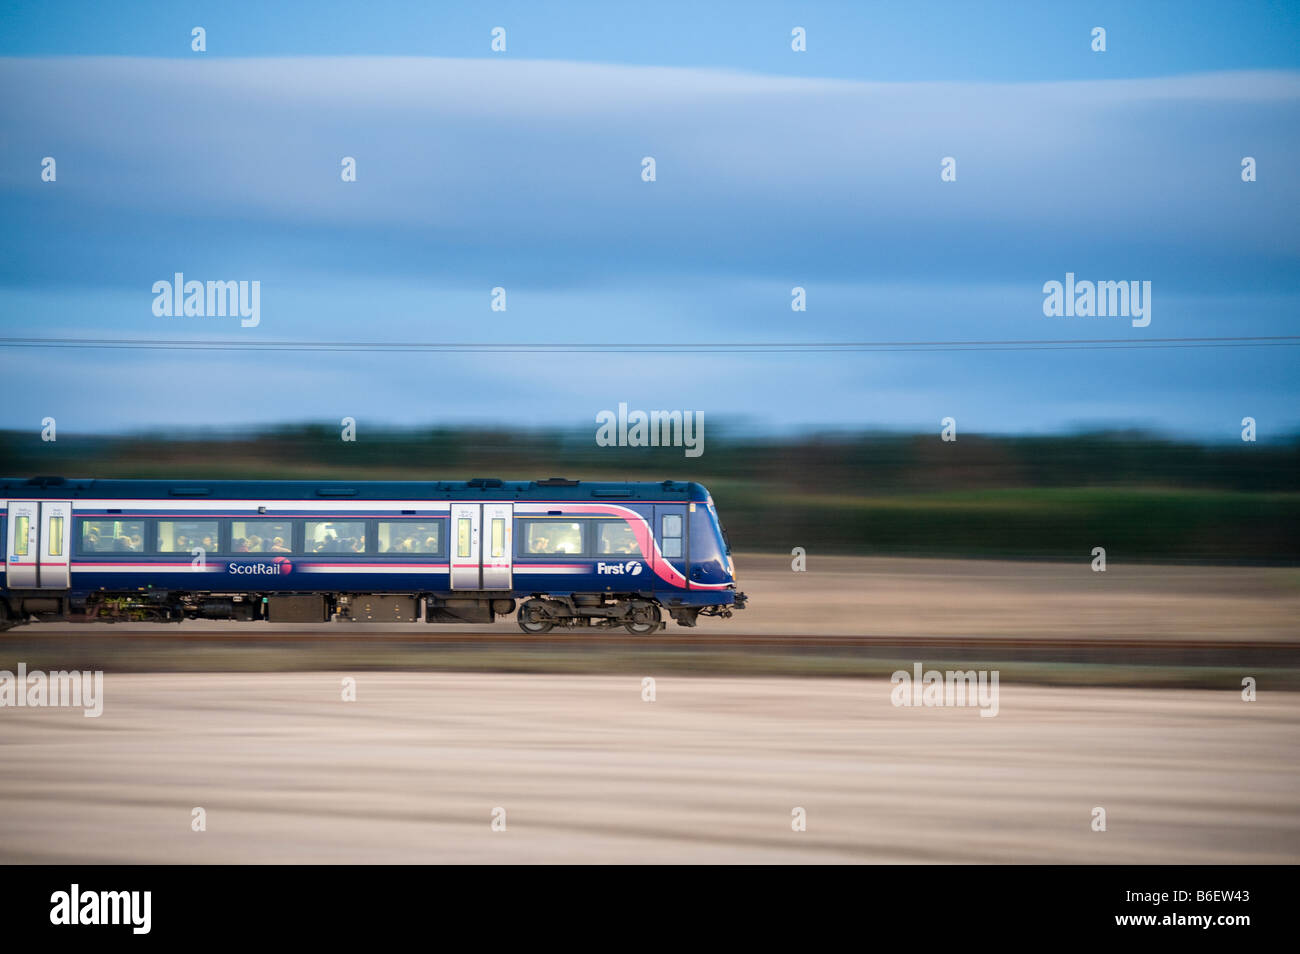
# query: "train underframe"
x,y
537,614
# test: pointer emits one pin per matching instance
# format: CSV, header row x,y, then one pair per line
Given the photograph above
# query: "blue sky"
x,y
775,169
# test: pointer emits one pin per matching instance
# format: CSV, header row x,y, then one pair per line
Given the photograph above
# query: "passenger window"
x,y
463,526
498,537
261,536
545,537
671,538
401,536
615,537
336,536
21,525
112,536
56,536
182,536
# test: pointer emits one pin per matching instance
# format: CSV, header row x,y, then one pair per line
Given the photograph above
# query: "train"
x,y
574,554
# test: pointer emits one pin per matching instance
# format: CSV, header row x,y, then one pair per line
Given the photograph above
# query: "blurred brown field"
x,y
1004,598
587,771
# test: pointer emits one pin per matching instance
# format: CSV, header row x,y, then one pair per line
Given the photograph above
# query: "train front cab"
x,y
699,575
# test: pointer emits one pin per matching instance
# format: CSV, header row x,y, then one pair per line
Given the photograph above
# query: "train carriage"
x,y
555,552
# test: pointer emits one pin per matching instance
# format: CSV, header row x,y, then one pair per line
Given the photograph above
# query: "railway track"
x,y
785,643
1128,660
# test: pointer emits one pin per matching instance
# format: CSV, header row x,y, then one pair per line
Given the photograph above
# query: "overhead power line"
x,y
659,347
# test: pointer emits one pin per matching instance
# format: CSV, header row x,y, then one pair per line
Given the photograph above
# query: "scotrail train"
x,y
568,553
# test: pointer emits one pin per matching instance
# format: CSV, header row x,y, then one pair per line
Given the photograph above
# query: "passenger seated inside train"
x,y
618,538
410,538
555,538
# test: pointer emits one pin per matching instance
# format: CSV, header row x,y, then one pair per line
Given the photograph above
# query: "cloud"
x,y
477,173
511,153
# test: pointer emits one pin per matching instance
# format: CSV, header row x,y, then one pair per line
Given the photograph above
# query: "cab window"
x,y
670,540
708,547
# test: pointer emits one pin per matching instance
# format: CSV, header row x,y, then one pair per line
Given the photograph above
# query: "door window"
x,y
463,525
56,536
671,538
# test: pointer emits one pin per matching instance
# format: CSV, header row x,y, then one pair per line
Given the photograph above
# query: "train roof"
x,y
554,488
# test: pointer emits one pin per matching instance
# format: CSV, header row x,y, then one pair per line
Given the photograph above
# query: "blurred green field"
x,y
1048,523
1142,497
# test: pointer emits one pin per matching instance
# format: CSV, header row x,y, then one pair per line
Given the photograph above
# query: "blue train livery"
x,y
557,552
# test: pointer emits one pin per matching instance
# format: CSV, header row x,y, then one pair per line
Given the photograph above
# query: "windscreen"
x,y
708,549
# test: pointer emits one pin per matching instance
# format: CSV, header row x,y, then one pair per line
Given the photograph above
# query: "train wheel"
x,y
531,626
646,626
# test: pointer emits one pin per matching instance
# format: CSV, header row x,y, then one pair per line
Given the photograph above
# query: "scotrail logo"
x,y
631,568
277,567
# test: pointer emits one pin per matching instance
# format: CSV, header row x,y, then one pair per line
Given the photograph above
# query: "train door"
x,y
482,546
498,545
465,567
38,544
670,531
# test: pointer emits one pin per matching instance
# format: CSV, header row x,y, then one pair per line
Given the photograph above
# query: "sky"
x,y
774,169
